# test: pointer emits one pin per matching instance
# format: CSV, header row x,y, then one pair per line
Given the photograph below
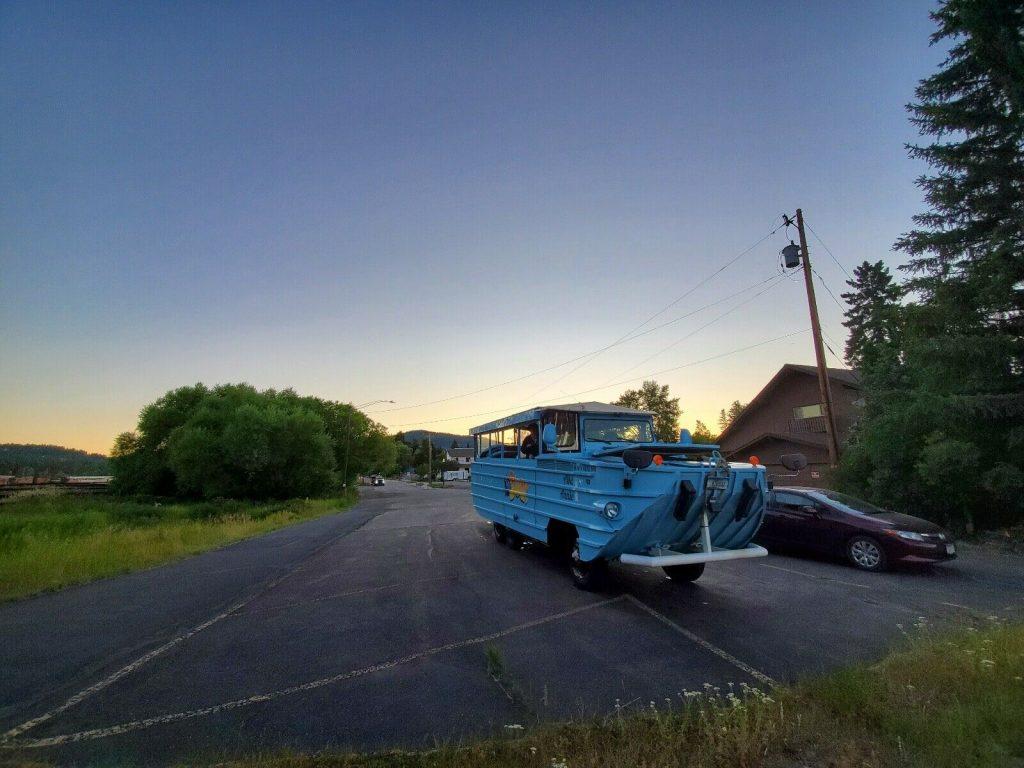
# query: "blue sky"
x,y
410,200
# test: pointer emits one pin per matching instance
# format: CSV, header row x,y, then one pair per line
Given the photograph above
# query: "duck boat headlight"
x,y
611,510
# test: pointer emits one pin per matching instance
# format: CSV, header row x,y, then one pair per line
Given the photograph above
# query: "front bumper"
x,y
668,557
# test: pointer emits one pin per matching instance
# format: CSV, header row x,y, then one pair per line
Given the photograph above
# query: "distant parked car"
x,y
834,523
376,480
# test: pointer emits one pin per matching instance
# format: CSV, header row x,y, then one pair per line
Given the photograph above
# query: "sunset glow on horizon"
x,y
421,203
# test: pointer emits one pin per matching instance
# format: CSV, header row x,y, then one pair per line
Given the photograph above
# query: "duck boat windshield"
x,y
594,480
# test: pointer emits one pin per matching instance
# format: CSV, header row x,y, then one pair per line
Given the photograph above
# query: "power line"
x,y
824,285
774,281
667,307
608,386
666,324
828,251
573,360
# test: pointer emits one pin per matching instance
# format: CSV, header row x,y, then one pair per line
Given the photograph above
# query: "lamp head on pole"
x,y
791,255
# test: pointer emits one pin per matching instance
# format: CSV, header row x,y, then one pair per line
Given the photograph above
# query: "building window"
x,y
807,411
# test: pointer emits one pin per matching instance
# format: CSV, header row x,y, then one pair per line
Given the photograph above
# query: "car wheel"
x,y
500,532
588,576
866,553
683,573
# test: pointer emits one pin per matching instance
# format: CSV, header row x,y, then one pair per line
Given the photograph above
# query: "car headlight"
x,y
611,510
909,535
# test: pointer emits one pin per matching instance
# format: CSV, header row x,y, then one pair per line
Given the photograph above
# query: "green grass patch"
x,y
939,701
54,540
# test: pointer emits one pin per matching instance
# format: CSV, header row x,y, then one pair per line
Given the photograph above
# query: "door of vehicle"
x,y
797,521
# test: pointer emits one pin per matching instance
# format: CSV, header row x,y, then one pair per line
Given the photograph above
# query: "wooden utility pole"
x,y
824,384
430,460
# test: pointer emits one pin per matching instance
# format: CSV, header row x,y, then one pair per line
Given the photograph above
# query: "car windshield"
x,y
618,431
851,503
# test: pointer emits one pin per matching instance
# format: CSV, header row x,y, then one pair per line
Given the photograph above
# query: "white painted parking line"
x,y
136,725
349,593
722,654
816,576
106,682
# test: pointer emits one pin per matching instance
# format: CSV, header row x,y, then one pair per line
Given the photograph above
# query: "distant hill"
x,y
440,439
50,460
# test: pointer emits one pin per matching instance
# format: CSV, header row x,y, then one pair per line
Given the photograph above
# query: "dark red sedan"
x,y
833,523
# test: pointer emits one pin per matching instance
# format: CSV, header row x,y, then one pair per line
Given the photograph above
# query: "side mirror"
x,y
810,509
794,462
635,458
549,436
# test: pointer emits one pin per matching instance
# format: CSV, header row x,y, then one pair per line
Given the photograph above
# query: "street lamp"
x,y
348,436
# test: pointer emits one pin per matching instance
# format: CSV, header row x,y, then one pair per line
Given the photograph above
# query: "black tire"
x,y
500,532
866,553
681,573
514,539
590,576
561,540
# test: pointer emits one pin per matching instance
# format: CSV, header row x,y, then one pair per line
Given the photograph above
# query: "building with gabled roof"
x,y
786,416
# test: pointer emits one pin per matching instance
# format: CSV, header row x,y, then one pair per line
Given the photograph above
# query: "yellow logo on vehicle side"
x,y
516,489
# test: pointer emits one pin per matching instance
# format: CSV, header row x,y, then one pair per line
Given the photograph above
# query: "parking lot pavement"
x,y
374,628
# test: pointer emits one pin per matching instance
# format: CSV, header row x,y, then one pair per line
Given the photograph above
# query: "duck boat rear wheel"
x,y
500,532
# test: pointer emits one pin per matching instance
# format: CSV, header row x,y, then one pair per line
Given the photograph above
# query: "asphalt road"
x,y
370,629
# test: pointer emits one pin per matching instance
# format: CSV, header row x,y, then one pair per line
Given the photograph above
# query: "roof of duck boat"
x,y
538,411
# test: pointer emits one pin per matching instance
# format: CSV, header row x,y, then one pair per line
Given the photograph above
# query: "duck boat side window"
x,y
528,440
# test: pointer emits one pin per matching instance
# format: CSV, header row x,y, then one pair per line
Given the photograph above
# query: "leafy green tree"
x,y
234,441
655,397
873,316
727,416
701,433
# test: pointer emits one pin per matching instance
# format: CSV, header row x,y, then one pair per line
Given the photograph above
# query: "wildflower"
x,y
533,750
559,762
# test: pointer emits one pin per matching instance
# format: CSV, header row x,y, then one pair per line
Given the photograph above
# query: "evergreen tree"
x,y
727,416
968,249
873,317
942,432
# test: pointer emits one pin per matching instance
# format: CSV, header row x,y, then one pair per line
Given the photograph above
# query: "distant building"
x,y
464,456
786,416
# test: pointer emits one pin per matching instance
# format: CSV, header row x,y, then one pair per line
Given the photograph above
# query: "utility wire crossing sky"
x,y
427,203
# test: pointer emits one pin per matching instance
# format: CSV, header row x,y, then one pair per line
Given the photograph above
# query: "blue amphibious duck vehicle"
x,y
591,480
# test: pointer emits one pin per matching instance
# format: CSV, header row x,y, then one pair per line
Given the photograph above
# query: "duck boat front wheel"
x,y
588,576
683,573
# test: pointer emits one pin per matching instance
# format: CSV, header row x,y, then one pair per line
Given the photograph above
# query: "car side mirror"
x,y
794,462
810,509
549,436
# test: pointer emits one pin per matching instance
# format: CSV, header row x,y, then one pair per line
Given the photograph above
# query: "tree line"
x,y
50,461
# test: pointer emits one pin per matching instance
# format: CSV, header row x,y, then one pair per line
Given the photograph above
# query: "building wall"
x,y
775,414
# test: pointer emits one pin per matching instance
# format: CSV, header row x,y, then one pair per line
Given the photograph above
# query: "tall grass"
x,y
944,701
54,540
